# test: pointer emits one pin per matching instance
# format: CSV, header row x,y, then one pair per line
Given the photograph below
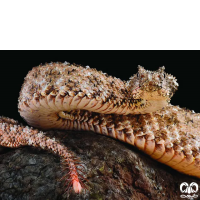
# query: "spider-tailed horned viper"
x,y
138,112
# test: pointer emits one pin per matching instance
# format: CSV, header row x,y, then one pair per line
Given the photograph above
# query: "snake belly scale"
x,y
138,111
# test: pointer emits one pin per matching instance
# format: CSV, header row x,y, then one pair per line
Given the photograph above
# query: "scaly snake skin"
x,y
138,112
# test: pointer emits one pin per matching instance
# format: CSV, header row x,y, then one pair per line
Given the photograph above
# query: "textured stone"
x,y
115,170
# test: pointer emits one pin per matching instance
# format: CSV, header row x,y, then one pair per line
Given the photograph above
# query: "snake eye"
x,y
159,77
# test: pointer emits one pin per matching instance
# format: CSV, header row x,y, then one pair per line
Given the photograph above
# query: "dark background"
x,y
184,65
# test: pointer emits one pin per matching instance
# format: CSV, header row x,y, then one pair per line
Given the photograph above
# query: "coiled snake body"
x,y
72,97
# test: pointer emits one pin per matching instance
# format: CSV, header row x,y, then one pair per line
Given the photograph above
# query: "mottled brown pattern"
x,y
71,97
13,134
71,86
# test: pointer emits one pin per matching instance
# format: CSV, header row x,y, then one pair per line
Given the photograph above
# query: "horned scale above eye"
x,y
71,97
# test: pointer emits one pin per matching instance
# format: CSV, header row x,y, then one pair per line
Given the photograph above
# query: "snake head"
x,y
152,89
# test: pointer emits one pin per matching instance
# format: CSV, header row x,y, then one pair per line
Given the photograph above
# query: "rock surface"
x,y
115,170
